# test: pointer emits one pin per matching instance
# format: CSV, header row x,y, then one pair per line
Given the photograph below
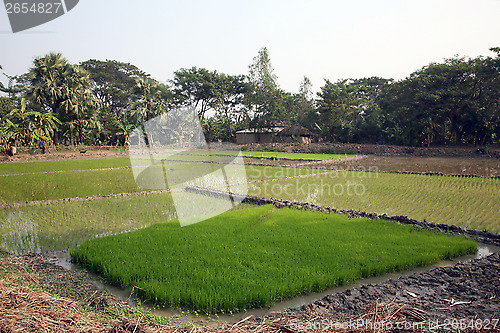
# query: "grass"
x,y
49,186
67,165
470,202
39,186
66,224
256,256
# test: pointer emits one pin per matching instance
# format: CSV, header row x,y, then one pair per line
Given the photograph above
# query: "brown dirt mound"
x,y
23,310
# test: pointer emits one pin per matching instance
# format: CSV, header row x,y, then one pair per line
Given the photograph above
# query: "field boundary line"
x,y
90,198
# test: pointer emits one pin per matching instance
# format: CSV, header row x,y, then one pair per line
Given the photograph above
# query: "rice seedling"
x,y
441,199
254,257
64,165
43,186
64,225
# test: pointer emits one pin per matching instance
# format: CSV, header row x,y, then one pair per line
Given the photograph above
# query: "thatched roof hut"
x,y
297,131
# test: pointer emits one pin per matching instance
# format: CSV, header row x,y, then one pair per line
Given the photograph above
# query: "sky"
x,y
327,39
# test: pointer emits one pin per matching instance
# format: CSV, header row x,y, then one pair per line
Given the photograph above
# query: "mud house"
x,y
296,133
260,135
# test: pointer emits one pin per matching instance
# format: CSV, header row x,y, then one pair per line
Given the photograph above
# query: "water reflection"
x,y
19,234
65,225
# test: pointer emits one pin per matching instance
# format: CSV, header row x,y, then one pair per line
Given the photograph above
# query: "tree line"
x,y
99,102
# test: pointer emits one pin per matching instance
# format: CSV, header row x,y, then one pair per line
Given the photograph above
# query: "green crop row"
x,y
43,186
65,224
64,165
470,202
256,256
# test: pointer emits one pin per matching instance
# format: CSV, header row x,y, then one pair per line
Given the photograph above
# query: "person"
x,y
41,145
13,150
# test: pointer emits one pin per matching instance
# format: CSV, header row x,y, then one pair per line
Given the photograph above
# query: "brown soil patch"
x,y
64,153
38,296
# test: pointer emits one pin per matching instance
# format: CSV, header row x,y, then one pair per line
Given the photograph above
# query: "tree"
x,y
151,98
195,87
338,108
43,125
63,89
112,83
29,126
266,101
228,97
487,98
305,113
125,128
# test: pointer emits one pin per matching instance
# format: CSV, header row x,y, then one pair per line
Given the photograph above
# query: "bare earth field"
x,y
38,296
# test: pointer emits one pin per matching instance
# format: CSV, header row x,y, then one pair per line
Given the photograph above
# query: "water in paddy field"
x,y
19,234
62,258
65,225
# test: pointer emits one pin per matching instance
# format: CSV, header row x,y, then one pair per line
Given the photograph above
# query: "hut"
x,y
254,135
296,133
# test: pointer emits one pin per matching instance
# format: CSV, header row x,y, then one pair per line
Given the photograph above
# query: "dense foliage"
x,y
102,102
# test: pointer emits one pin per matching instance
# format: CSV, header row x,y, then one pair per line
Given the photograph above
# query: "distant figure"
x,y
13,150
41,145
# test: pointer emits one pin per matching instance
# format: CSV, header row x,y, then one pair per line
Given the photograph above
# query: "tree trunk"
x,y
71,135
80,134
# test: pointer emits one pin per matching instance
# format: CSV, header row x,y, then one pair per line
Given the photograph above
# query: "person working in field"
x,y
41,145
13,150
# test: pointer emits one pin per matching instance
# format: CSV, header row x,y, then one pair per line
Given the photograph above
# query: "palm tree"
x,y
80,101
47,77
150,98
62,89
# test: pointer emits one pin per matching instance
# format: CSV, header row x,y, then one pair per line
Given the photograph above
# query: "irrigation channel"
x,y
62,258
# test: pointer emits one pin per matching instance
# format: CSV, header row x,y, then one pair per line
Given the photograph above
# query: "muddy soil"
x,y
63,153
465,294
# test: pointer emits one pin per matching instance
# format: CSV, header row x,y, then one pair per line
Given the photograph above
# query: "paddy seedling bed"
x,y
470,202
256,256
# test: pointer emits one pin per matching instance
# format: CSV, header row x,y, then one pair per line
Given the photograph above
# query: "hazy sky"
x,y
320,39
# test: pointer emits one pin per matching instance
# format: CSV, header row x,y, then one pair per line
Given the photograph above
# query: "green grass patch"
x,y
49,186
254,257
40,186
470,202
66,165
